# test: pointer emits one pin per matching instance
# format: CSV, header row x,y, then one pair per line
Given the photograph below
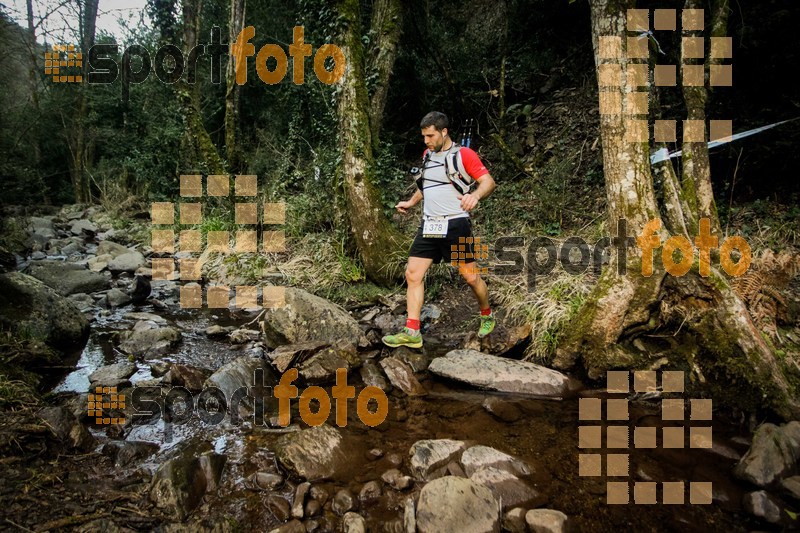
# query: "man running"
x,y
446,210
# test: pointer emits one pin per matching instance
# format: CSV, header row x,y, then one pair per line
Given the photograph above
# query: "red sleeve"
x,y
473,163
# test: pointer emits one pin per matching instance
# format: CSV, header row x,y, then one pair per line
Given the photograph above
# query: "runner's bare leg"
x,y
469,272
415,276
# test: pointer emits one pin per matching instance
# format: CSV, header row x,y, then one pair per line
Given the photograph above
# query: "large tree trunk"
x,y
379,244
201,154
387,23
232,91
695,321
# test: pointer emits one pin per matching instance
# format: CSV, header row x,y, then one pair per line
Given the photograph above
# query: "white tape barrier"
x,y
663,154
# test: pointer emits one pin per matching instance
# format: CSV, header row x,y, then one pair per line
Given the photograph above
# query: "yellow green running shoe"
x,y
487,325
403,339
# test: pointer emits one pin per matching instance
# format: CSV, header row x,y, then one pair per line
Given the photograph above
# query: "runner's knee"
x,y
414,276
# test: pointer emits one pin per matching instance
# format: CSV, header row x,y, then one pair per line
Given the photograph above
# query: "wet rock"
x,y
545,521
127,262
178,486
78,227
501,409
319,494
772,454
82,301
306,317
140,316
243,336
212,465
503,375
454,469
217,331
353,523
514,521
265,481
370,491
402,377
284,357
115,375
312,453
117,298
792,486
147,339
457,504
478,457
28,305
99,263
395,479
111,248
343,501
71,249
160,368
508,488
279,507
125,453
312,508
762,505
67,278
298,504
429,458
66,428
374,454
322,366
234,379
417,360
373,377
187,376
41,228
394,459
500,341
410,516
140,290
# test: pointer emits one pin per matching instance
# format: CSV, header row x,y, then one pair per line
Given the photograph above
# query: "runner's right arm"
x,y
411,202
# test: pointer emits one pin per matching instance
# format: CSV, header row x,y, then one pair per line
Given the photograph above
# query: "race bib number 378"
x,y
435,228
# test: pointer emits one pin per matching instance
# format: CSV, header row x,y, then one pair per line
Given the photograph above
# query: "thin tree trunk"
x,y
80,176
379,245
33,77
387,23
232,90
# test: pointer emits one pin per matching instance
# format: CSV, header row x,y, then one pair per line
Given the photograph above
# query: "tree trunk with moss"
x,y
387,23
632,321
232,91
379,244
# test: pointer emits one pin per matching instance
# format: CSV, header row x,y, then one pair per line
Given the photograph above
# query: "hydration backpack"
x,y
457,174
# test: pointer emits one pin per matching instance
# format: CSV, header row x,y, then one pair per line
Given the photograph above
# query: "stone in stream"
x,y
429,458
322,366
402,377
178,486
370,491
343,501
762,505
772,455
395,479
115,375
295,526
353,523
290,355
127,262
111,248
503,375
147,339
306,317
478,457
82,301
410,516
545,521
792,486
236,378
457,504
117,298
500,341
312,508
505,411
187,376
279,507
313,453
508,488
514,521
67,278
126,452
319,494
140,290
78,227
265,481
298,504
373,377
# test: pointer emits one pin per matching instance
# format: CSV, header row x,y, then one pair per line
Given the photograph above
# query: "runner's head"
x,y
434,130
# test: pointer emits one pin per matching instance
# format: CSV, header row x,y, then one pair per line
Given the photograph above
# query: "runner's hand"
x,y
468,201
402,207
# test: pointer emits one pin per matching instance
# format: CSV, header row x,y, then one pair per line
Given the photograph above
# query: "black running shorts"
x,y
442,249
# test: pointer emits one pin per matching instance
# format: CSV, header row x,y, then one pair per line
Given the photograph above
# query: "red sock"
x,y
486,312
412,323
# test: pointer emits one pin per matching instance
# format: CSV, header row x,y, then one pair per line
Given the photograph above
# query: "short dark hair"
x,y
436,119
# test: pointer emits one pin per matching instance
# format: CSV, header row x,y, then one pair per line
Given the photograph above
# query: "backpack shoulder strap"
x,y
456,172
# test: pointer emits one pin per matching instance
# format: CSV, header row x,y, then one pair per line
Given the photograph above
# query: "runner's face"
x,y
433,138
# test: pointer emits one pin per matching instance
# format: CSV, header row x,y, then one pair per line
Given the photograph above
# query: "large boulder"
x,y
67,278
314,453
237,378
31,309
149,339
498,374
115,375
772,456
180,483
306,317
457,504
508,488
